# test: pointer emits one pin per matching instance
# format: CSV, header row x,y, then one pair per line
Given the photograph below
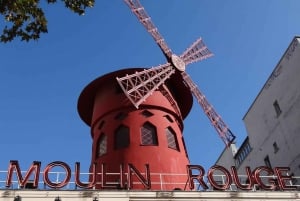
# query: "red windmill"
x,y
150,132
140,85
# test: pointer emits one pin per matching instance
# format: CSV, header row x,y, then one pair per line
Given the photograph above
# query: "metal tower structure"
x,y
140,85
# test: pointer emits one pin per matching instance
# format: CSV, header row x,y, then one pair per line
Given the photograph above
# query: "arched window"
x,y
122,139
171,138
102,145
148,134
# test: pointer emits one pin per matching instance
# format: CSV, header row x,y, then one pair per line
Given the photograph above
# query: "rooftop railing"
x,y
158,180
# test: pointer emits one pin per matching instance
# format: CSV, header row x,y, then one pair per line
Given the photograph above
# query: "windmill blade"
x,y
224,132
144,18
137,87
196,52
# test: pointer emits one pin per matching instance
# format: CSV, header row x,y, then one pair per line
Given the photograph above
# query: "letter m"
x,y
14,166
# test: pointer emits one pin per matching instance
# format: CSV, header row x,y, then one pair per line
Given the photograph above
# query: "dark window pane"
x,y
146,113
121,116
122,137
169,118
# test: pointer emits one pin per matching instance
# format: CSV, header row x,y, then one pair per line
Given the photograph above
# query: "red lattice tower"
x,y
141,85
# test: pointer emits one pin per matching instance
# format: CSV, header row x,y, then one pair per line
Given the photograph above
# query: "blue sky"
x,y
40,82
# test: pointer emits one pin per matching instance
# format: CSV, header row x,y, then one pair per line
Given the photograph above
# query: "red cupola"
x,y
151,134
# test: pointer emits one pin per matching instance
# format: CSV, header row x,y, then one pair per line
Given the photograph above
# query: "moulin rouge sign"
x,y
278,178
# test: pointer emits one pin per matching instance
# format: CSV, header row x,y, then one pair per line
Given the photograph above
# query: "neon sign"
x,y
35,168
277,179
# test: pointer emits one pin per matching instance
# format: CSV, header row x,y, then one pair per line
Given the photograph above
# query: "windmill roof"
x,y
179,91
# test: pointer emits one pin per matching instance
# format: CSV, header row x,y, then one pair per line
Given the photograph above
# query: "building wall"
x,y
26,195
273,120
226,157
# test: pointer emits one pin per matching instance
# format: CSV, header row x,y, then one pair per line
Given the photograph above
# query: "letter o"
x,y
212,181
64,182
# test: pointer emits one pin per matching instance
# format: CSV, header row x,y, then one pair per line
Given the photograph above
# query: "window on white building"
x,y
277,108
267,161
275,146
243,152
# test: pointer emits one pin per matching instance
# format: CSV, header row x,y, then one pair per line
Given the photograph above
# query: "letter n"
x,y
145,181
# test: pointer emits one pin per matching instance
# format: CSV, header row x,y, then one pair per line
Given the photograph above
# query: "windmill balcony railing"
x,y
159,180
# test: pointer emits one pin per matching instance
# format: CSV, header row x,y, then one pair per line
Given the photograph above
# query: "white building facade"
x,y
273,121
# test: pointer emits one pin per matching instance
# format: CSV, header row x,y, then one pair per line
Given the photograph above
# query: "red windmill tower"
x,y
148,128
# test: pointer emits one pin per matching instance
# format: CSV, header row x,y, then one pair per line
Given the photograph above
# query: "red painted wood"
x,y
101,102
